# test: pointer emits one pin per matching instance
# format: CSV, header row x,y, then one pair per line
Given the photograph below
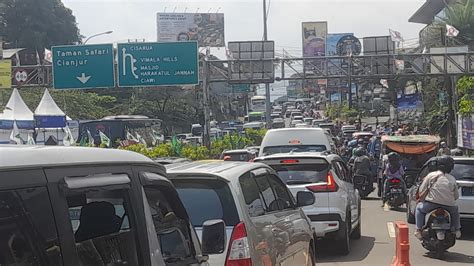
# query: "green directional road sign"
x,y
157,64
83,66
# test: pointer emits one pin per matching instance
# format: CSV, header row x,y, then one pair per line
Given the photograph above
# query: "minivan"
x,y
284,140
265,225
90,206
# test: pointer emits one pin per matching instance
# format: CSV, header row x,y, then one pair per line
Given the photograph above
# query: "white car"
x,y
337,209
284,140
295,122
302,125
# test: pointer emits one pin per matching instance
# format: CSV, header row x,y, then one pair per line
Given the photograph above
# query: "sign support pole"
x,y
268,108
205,88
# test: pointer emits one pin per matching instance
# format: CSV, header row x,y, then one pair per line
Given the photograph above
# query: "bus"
x,y
257,104
255,117
117,128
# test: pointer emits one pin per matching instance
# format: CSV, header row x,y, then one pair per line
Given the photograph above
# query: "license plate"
x,y
396,190
467,191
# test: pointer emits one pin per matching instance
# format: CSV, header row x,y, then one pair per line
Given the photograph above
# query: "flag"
x,y
130,136
30,141
175,146
396,36
90,139
104,139
141,139
15,137
48,55
384,83
451,31
400,64
69,139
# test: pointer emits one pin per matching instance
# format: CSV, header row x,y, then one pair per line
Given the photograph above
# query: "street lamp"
x,y
98,34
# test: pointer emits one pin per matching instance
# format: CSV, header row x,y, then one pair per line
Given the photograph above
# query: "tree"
x,y
37,24
459,15
465,89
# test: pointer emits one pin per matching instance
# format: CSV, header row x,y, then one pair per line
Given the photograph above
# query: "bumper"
x,y
325,224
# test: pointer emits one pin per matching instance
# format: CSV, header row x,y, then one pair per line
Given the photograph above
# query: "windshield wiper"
x,y
298,182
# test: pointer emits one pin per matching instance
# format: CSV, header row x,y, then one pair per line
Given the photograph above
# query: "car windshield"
x,y
301,173
293,148
463,170
207,200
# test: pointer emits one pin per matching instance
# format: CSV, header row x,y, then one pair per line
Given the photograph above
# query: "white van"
x,y
285,140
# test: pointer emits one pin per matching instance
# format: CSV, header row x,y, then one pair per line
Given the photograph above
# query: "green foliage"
x,y
37,24
229,142
195,152
255,135
465,90
338,111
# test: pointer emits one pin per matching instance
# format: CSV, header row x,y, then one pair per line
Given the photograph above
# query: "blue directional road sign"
x,y
83,66
157,64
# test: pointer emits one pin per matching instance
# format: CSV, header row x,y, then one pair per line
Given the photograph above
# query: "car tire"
x,y
343,241
410,217
357,233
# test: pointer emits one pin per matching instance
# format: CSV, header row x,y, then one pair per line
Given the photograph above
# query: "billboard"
x,y
205,28
331,42
466,132
314,43
5,74
383,46
409,106
258,70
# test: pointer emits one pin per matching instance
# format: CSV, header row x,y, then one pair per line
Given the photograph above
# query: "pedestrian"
x,y
444,150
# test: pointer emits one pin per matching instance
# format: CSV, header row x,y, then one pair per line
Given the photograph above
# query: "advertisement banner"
x,y
332,40
314,43
409,106
466,125
205,28
5,74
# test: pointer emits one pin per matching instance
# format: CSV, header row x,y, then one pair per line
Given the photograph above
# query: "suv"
x,y
463,171
336,213
88,206
265,225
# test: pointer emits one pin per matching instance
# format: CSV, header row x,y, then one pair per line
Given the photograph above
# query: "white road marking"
x,y
391,229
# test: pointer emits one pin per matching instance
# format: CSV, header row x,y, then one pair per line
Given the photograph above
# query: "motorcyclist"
x,y
393,169
444,150
438,190
361,164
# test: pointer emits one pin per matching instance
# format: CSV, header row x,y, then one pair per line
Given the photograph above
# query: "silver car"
x,y
265,224
337,209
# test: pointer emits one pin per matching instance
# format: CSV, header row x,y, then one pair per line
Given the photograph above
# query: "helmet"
x,y
443,144
393,156
352,143
359,152
443,163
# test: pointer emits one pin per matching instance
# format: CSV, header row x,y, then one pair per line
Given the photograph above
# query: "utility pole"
x,y
450,129
268,108
205,89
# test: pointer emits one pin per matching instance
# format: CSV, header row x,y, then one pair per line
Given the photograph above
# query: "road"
x,y
377,247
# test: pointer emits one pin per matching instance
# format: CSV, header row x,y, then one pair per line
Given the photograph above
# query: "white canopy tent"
x,y
16,111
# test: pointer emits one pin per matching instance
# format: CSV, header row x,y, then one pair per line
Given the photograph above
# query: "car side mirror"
x,y
304,198
213,237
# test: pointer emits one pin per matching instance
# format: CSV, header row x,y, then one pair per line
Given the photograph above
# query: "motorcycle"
x,y
395,196
437,234
364,184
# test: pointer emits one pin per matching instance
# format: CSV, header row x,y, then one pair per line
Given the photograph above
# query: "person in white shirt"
x,y
438,190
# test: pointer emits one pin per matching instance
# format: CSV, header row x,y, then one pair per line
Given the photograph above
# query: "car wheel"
x,y
343,241
410,217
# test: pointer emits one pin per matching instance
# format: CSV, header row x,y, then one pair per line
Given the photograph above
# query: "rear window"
x,y
244,157
302,173
463,170
206,200
293,148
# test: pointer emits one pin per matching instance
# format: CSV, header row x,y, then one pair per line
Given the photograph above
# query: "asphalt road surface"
x,y
377,244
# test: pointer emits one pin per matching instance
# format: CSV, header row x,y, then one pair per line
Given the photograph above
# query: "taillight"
x,y
394,180
239,250
330,185
289,161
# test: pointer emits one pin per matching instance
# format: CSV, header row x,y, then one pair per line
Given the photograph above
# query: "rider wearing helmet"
x,y
438,190
393,169
444,150
361,163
